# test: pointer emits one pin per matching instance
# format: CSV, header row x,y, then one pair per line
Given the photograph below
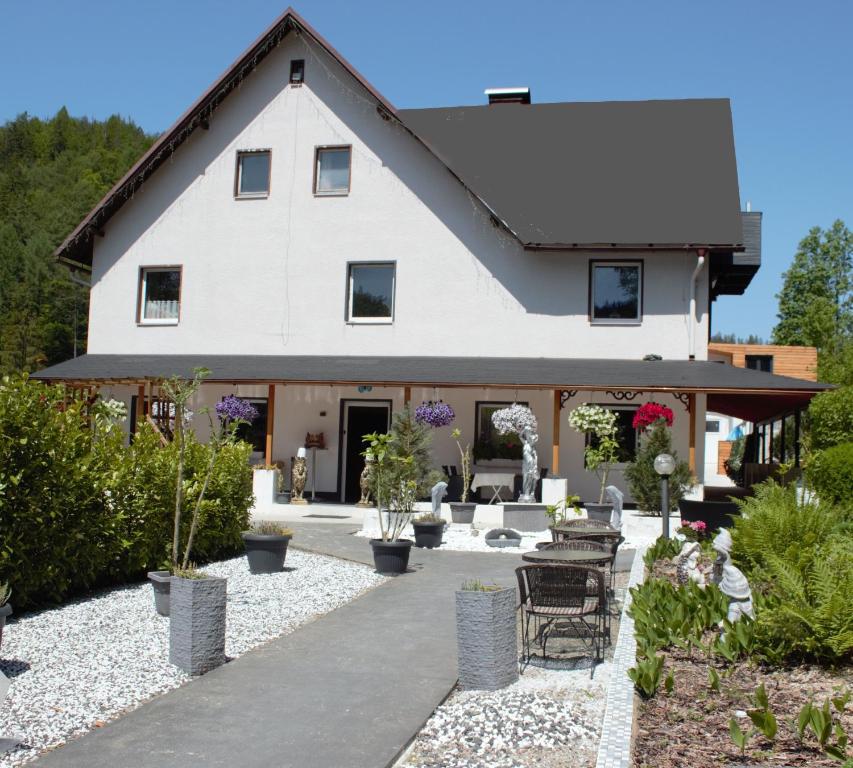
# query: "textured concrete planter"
x,y
197,631
462,513
525,517
391,556
486,638
265,552
5,610
599,511
428,535
161,581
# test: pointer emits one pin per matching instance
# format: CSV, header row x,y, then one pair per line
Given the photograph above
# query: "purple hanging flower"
x,y
232,408
438,414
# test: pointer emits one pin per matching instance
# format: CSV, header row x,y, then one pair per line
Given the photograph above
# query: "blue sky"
x,y
787,67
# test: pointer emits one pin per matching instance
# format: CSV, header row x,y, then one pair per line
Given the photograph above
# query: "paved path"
x,y
348,690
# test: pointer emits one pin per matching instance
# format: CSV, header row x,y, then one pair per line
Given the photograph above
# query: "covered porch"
x,y
343,398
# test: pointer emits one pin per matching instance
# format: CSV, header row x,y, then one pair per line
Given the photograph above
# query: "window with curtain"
x,y
160,295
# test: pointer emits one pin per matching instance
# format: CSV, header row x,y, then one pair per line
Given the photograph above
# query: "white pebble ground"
x,y
75,667
548,718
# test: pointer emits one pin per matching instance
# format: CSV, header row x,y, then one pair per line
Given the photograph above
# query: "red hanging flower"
x,y
649,413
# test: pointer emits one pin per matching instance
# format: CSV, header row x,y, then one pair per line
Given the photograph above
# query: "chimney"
x,y
508,95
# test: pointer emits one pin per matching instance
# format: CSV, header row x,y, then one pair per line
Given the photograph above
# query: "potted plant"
x,y
486,636
197,623
266,546
463,511
601,452
559,512
428,530
232,412
5,607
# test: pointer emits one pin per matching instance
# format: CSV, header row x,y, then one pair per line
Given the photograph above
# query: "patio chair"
x,y
556,598
580,522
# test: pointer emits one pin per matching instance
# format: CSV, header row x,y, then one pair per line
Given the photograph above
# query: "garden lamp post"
x,y
664,466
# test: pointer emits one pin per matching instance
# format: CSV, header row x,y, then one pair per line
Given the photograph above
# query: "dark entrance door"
x,y
360,417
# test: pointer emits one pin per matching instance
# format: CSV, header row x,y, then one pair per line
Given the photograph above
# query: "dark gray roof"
x,y
751,253
607,173
485,371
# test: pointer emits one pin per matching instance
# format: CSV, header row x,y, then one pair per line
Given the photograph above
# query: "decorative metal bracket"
x,y
683,398
565,396
620,395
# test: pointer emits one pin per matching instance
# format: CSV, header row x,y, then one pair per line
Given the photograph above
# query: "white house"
x,y
333,257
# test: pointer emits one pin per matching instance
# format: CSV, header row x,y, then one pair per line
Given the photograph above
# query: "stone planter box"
x,y
161,581
599,511
486,638
264,487
197,625
5,611
525,517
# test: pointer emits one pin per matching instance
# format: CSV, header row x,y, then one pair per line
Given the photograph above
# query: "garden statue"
x,y
298,478
364,481
730,579
616,498
688,565
439,491
529,465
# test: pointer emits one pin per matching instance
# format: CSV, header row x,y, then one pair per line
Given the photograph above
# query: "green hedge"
x,y
830,473
79,508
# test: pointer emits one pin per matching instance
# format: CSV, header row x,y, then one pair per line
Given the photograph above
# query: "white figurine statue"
x,y
688,565
616,498
529,465
439,491
732,582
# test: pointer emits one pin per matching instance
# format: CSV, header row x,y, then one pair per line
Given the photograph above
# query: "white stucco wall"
x,y
269,276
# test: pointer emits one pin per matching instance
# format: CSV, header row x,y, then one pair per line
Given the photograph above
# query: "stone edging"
x,y
614,748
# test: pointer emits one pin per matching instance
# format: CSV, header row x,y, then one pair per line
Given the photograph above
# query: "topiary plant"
x,y
830,473
644,482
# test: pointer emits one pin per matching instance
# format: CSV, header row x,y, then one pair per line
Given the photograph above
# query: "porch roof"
x,y
726,385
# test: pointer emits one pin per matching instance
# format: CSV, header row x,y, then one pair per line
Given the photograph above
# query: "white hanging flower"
x,y
516,418
593,419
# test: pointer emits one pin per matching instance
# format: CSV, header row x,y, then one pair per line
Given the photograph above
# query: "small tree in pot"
x,y
266,547
601,452
463,511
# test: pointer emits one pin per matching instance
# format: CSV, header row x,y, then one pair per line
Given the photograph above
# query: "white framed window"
x,y
159,296
616,292
252,178
627,437
370,292
332,170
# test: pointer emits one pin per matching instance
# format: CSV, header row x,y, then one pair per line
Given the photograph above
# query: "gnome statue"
x,y
730,579
688,566
364,480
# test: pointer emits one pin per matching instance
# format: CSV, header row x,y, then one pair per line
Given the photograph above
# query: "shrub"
x,y
831,418
830,473
644,482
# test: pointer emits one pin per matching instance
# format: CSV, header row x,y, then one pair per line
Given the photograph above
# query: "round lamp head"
x,y
664,464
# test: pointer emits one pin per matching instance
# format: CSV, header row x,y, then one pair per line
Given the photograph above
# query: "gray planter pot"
x,y
265,552
462,513
599,511
5,610
197,625
486,639
161,581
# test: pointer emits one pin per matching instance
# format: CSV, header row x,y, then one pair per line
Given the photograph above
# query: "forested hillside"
x,y
51,174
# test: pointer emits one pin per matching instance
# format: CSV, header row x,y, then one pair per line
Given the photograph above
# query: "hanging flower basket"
x,y
648,413
514,419
438,414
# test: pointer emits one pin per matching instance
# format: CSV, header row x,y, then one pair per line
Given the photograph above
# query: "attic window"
x,y
297,71
253,174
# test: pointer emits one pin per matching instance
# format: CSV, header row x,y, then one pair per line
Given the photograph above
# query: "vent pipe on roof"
x,y
508,95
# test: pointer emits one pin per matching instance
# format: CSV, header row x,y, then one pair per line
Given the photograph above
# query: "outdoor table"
x,y
568,556
496,480
583,532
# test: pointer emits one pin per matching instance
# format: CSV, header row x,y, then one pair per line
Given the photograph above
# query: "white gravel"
x,y
548,718
75,667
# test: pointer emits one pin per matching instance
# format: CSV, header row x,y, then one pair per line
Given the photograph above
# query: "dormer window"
x,y
332,170
253,174
615,292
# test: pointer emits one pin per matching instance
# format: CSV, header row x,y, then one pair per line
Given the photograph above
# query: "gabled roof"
x,y
599,174
611,174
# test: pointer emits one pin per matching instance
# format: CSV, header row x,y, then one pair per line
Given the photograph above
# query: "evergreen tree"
x,y
644,482
413,439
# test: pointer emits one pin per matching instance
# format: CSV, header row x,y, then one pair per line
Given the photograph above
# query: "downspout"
x,y
691,320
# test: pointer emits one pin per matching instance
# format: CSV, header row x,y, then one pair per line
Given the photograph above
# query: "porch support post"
x,y
691,450
140,406
407,395
555,435
270,423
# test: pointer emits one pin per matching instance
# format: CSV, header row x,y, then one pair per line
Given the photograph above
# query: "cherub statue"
x,y
298,478
364,481
730,579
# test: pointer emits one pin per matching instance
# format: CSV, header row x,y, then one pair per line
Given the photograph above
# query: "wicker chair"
x,y
577,545
554,596
581,522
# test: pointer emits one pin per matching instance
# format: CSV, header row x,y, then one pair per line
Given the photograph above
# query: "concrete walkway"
x,y
348,690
